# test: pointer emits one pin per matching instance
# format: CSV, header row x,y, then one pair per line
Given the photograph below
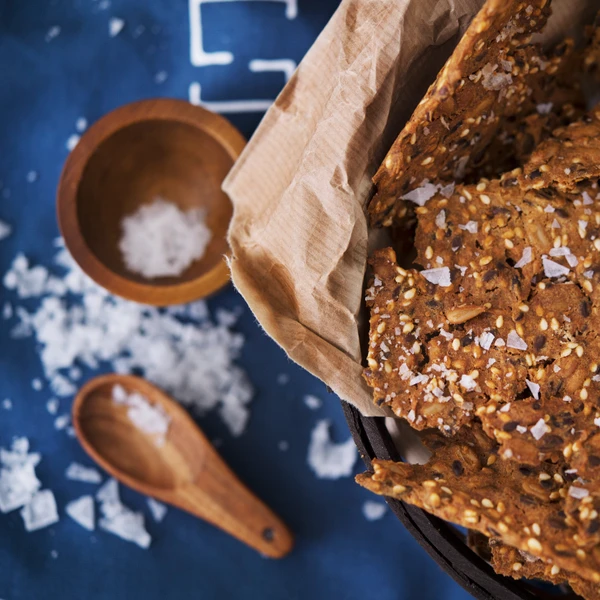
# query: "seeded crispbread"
x,y
466,483
492,81
497,325
511,562
570,156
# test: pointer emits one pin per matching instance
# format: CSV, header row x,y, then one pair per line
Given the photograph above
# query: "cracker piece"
x,y
514,563
489,78
466,483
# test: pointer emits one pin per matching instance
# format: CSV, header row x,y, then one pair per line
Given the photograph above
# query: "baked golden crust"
x,y
473,114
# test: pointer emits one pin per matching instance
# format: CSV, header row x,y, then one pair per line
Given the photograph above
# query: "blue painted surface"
x,y
45,87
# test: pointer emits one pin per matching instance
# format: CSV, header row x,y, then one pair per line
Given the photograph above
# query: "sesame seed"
x,y
536,529
410,294
455,344
583,394
487,503
434,500
534,545
499,321
427,161
429,253
381,327
554,570
517,566
485,199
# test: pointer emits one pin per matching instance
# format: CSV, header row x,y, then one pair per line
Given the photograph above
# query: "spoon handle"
x,y
220,498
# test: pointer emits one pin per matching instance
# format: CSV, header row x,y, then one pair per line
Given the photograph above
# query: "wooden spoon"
x,y
185,471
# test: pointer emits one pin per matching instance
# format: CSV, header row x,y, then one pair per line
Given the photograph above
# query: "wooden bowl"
x,y
153,148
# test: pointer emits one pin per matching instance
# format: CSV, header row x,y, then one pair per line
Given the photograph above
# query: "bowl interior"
x,y
154,158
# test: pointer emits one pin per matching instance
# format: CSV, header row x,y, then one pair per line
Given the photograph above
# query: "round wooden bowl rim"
x,y
165,109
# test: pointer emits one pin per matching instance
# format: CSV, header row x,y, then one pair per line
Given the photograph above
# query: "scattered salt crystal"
x,y
556,368
52,33
81,124
115,26
544,108
486,339
587,200
312,402
160,240
577,492
52,406
54,554
514,341
18,481
567,398
490,362
525,258
467,383
491,80
421,194
539,429
566,252
160,77
419,379
40,511
521,429
61,422
462,270
283,445
553,269
470,226
534,388
440,219
283,378
157,509
179,349
120,520
555,224
36,384
7,311
440,276
373,511
149,418
82,512
549,208
582,224
597,421
506,407
447,190
411,415
7,404
77,472
31,176
327,459
72,141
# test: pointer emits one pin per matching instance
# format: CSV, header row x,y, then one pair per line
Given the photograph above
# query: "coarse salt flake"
x,y
577,492
534,388
115,26
82,512
440,219
312,402
539,429
553,269
470,226
373,511
327,459
439,276
513,340
421,194
525,258
467,383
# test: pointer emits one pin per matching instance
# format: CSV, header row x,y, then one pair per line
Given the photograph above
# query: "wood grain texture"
x,y
161,147
186,471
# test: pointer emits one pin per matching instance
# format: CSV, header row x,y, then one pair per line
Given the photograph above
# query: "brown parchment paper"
x,y
299,234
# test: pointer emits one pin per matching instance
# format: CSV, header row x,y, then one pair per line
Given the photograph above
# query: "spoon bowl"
x,y
184,471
